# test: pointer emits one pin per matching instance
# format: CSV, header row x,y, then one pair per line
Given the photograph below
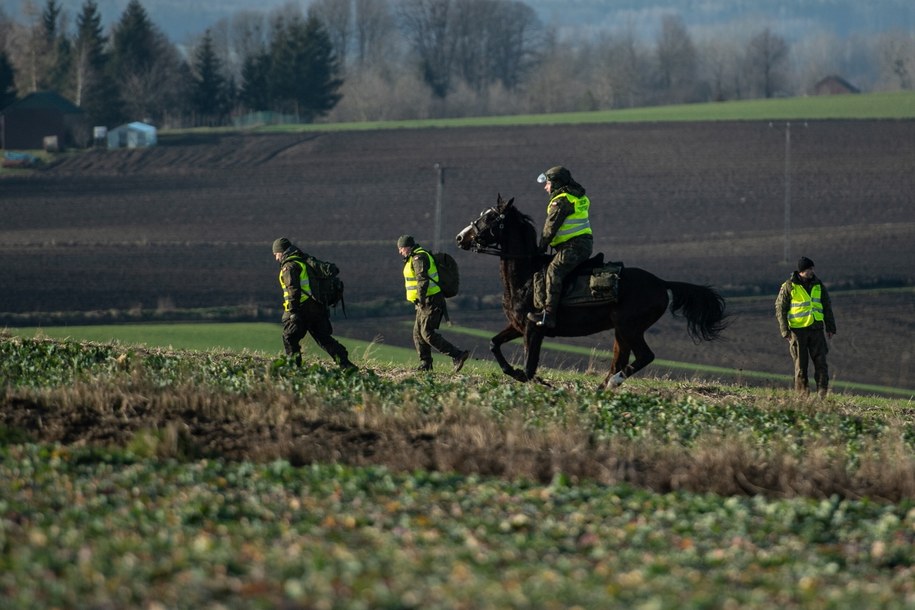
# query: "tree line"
x,y
351,60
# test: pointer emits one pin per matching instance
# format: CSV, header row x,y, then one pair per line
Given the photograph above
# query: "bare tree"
x,y
337,17
676,62
627,64
767,64
720,67
895,56
374,29
427,24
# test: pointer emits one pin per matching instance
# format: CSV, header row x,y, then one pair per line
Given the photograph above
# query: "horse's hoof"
x,y
617,380
517,375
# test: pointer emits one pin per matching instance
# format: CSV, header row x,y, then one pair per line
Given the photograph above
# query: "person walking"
x,y
421,282
567,230
303,313
804,313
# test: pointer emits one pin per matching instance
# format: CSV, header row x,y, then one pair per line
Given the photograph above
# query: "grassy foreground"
x,y
164,478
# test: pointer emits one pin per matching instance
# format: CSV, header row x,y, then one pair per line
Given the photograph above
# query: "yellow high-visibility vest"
x,y
805,308
576,223
409,277
304,284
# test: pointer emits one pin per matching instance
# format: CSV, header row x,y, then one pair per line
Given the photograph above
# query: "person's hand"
x,y
830,335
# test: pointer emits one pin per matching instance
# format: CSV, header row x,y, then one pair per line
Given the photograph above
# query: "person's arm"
x,y
782,305
556,214
293,294
829,320
421,271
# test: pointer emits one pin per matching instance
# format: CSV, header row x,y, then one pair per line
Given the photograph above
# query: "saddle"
x,y
593,282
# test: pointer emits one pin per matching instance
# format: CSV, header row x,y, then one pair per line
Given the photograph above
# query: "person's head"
x,y
280,246
405,244
555,178
805,267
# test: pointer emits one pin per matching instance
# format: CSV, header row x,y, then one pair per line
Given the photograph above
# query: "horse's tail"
x,y
703,308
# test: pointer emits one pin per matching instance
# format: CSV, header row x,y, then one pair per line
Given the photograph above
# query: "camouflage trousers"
x,y
313,318
568,256
808,344
425,327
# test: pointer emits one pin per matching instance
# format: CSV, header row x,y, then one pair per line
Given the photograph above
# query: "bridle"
x,y
475,245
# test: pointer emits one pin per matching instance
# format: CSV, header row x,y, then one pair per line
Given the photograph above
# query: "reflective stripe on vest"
x,y
304,284
409,277
805,308
576,223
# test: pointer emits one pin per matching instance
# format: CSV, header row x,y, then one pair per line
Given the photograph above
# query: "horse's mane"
x,y
526,226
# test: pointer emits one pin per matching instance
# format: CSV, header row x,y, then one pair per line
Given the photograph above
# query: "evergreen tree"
x,y
303,77
320,77
7,81
150,74
255,93
50,51
95,92
210,95
133,42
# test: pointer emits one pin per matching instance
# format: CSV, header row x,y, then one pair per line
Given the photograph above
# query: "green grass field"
x,y
893,106
202,479
264,338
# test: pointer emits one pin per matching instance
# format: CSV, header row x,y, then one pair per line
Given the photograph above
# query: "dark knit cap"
x,y
281,245
804,263
406,241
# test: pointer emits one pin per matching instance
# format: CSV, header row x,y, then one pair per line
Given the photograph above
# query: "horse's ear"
x,y
510,203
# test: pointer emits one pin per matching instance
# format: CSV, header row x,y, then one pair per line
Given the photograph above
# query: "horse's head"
x,y
485,233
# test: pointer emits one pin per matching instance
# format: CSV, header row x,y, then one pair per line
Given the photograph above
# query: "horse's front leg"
x,y
533,339
510,333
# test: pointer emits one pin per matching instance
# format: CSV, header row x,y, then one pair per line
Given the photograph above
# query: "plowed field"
x,y
188,224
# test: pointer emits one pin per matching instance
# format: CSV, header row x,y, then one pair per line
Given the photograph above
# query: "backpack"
x,y
449,278
326,285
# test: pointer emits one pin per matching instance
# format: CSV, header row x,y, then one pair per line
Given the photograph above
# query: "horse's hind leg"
x,y
620,369
621,354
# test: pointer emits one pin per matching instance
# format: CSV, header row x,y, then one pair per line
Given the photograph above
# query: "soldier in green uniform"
x,y
302,312
568,231
804,313
421,281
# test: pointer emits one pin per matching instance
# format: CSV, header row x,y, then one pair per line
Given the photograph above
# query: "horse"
x,y
643,298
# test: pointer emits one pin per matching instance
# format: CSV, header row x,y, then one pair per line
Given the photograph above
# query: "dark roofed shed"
x,y
25,123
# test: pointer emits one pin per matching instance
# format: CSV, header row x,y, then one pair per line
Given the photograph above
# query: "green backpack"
x,y
449,277
326,285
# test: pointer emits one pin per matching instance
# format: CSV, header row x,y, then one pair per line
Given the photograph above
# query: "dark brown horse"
x,y
643,298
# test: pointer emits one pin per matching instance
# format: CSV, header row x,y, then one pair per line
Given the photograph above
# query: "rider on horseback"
x,y
568,230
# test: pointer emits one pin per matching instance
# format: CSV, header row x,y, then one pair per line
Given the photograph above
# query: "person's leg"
x,y
423,349
293,333
798,348
564,262
322,331
431,319
818,348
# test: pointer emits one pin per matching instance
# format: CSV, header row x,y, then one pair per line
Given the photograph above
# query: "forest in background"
x,y
361,60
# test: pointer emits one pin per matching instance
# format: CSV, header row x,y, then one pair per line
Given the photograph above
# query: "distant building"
x,y
834,85
25,124
132,135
